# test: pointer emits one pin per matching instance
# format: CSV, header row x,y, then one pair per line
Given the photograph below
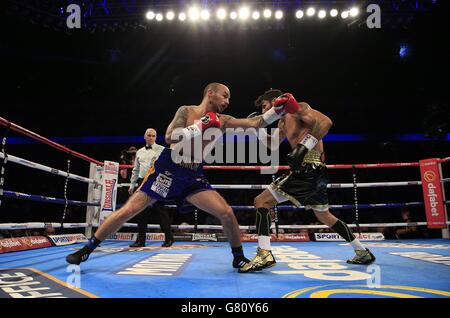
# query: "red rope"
x,y
35,136
359,166
44,140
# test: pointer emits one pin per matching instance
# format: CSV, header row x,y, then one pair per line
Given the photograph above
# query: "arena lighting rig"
x,y
124,15
246,13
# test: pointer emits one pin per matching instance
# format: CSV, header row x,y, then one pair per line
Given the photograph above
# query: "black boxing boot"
x,y
239,259
83,254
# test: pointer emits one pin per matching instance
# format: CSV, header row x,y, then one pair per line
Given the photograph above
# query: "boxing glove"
x,y
209,120
296,156
283,104
286,103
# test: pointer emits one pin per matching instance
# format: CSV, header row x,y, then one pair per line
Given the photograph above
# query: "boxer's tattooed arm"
x,y
304,108
178,121
318,123
315,130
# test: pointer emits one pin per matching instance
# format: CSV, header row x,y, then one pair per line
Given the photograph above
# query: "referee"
x,y
145,158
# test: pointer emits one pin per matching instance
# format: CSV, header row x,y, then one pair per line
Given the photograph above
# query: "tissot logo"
x,y
429,176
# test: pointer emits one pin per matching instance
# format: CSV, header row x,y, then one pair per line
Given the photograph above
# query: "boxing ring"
x,y
309,264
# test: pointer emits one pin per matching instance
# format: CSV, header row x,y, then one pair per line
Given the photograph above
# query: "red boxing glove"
x,y
209,120
286,103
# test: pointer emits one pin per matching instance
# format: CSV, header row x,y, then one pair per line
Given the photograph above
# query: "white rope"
x,y
125,185
38,166
252,227
331,185
39,225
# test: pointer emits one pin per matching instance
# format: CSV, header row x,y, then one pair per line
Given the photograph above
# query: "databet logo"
x,y
430,176
432,193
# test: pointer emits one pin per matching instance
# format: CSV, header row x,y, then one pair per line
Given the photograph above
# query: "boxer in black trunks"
x,y
306,182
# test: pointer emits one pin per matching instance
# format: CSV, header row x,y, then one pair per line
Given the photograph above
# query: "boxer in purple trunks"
x,y
179,176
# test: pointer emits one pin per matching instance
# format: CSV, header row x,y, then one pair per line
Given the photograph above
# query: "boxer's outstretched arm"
x,y
231,122
178,121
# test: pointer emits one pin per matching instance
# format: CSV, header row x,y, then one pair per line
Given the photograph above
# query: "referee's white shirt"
x,y
145,158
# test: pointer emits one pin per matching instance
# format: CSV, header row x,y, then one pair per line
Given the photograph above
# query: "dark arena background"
x,y
81,81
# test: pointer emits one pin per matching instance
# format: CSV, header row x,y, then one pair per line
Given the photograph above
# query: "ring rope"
x,y
41,167
332,206
65,201
44,140
331,185
41,198
253,227
53,144
32,225
335,166
37,225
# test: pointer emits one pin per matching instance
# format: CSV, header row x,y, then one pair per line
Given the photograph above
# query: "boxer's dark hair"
x,y
268,95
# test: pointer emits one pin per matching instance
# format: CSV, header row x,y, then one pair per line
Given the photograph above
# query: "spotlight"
x,y
299,14
322,14
221,14
344,14
334,13
170,15
205,15
182,16
255,15
159,17
244,13
150,15
233,15
310,12
193,14
267,13
354,12
278,14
